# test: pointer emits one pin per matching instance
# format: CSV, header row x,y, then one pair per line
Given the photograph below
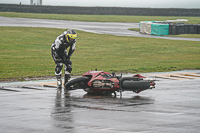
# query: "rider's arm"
x,y
72,49
58,42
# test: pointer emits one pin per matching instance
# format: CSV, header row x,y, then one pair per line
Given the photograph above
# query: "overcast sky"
x,y
116,3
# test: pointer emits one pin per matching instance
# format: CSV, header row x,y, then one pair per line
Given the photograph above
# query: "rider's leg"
x,y
67,77
58,72
68,70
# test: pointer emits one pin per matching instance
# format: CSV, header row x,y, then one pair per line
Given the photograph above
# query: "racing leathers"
x,y
60,56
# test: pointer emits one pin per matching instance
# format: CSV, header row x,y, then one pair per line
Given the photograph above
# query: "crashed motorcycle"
x,y
105,83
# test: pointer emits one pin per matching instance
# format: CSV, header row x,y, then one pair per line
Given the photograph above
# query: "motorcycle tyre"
x,y
135,85
76,81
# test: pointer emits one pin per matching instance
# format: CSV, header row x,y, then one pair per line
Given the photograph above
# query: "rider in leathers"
x,y
60,55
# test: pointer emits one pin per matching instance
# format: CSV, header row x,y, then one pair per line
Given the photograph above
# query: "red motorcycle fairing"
x,y
101,80
93,75
139,76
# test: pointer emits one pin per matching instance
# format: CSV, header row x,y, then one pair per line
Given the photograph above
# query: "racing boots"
x,y
59,82
67,78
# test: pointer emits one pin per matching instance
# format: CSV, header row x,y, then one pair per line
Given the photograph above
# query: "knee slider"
x,y
58,69
68,68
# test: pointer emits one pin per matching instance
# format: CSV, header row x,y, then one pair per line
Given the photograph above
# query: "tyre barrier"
x,y
180,28
168,28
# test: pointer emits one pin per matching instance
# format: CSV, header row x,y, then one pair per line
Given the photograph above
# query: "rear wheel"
x,y
77,83
135,86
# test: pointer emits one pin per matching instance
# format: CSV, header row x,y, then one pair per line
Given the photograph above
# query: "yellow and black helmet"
x,y
71,36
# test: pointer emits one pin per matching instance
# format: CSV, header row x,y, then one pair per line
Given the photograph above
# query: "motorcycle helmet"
x,y
71,36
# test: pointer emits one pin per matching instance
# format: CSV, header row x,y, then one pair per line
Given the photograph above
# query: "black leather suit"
x,y
60,55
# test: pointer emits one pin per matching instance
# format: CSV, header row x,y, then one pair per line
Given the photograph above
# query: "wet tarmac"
x,y
112,28
173,106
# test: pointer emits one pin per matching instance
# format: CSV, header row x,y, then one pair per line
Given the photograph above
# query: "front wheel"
x,y
77,83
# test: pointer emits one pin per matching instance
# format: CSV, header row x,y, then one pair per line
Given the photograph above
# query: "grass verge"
x,y
25,52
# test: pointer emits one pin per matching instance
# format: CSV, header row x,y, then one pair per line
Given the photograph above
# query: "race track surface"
x,y
36,106
118,29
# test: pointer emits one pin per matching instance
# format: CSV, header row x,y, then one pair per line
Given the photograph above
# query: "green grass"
x,y
25,52
99,18
134,29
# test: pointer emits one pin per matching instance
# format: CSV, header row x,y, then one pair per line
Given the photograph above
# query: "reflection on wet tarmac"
x,y
62,114
100,102
172,106
68,105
